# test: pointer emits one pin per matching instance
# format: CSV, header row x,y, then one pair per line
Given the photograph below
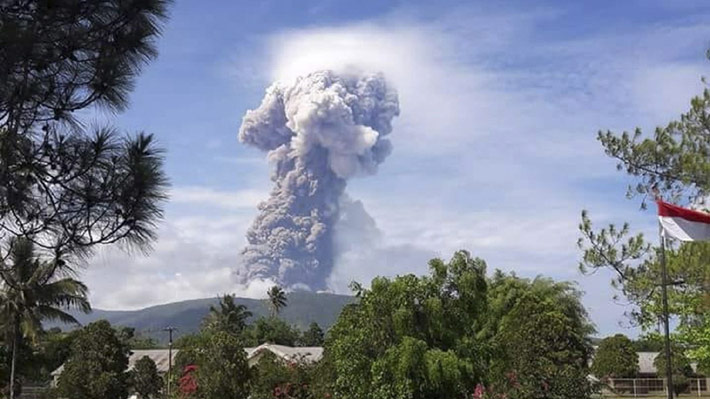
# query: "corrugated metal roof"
x,y
160,356
646,362
309,354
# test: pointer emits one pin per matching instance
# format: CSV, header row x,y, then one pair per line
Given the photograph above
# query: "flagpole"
x,y
666,324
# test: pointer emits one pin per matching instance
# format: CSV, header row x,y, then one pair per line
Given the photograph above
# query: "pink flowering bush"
x,y
187,384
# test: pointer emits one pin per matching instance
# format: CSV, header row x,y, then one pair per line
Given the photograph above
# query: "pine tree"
x,y
63,186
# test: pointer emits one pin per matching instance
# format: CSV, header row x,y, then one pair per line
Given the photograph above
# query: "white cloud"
x,y
209,197
194,257
439,94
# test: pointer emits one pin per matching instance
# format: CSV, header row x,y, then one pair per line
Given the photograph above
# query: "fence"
x,y
33,392
652,387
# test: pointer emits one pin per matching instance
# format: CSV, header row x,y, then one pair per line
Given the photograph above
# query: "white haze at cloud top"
x,y
418,60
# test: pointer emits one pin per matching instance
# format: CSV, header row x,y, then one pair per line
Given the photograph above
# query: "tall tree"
x,y
31,292
96,368
145,380
277,299
413,337
230,316
681,370
52,351
615,357
539,338
313,336
672,163
217,363
270,330
674,160
62,56
63,186
449,334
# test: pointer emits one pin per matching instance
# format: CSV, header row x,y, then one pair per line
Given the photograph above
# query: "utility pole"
x,y
170,355
666,323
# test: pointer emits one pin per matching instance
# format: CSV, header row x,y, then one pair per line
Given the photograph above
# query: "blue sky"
x,y
495,150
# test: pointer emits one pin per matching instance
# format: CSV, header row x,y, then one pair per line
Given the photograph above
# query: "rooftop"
x,y
161,356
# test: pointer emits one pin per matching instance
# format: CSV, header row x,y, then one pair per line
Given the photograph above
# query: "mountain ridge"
x,y
303,308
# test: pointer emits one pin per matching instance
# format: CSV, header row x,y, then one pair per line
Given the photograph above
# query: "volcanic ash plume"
x,y
319,131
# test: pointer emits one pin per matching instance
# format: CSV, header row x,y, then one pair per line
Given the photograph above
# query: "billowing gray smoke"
x,y
319,131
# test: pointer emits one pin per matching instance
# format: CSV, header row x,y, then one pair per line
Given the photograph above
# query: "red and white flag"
x,y
683,224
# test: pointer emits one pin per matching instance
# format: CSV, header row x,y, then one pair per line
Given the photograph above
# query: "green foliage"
x,y
449,334
222,369
272,330
616,357
187,341
230,317
189,346
273,378
145,380
638,277
96,366
539,332
31,291
128,335
689,274
413,337
314,336
125,334
610,248
322,378
107,188
676,160
4,371
52,66
268,374
681,368
696,338
217,355
50,352
673,163
277,299
27,365
648,343
64,187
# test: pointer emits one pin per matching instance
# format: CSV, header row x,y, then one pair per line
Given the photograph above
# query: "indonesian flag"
x,y
683,224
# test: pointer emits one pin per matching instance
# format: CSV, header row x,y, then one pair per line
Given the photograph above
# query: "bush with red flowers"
x,y
273,378
187,384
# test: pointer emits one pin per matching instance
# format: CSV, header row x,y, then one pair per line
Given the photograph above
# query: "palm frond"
x,y
33,292
54,314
